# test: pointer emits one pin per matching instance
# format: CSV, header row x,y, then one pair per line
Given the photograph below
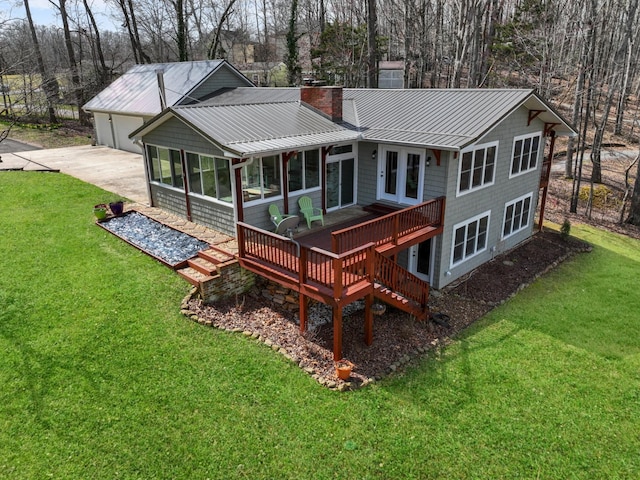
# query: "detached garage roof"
x,y
136,92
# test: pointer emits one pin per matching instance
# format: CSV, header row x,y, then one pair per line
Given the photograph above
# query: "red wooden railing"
x,y
399,280
392,227
308,266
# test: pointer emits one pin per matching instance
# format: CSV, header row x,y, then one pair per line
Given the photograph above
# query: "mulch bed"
x,y
398,338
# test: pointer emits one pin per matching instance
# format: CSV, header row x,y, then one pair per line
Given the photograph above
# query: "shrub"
x,y
565,229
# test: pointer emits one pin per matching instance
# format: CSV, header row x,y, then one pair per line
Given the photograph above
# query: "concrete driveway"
x,y
114,170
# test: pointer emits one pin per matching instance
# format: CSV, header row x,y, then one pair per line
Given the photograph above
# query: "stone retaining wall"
x,y
232,280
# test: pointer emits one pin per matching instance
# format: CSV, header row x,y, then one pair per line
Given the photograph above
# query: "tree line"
x,y
579,54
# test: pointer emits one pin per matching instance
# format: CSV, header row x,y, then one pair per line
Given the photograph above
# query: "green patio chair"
x,y
310,213
277,218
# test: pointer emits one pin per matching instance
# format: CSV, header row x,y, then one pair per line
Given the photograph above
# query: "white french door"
x,y
401,175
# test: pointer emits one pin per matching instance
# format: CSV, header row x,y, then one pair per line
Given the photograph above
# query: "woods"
x,y
581,55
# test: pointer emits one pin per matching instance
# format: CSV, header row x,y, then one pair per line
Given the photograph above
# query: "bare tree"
x,y
49,82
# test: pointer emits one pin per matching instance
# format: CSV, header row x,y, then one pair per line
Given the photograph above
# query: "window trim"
x,y
504,217
475,148
513,151
465,224
202,195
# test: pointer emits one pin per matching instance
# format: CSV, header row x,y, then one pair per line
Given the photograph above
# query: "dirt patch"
x,y
398,338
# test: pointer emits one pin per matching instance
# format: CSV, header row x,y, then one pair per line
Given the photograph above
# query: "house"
x,y
457,172
145,90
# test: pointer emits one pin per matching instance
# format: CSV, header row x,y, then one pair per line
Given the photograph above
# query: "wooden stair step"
x,y
193,276
203,265
215,255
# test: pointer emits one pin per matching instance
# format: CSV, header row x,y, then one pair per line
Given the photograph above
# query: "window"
x,y
525,153
261,179
304,170
469,238
477,167
209,176
166,166
516,215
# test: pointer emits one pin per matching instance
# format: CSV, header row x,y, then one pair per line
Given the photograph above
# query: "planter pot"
x,y
343,371
378,308
116,208
100,211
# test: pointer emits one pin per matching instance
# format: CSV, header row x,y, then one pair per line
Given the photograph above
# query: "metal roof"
x,y
136,91
444,118
249,121
248,129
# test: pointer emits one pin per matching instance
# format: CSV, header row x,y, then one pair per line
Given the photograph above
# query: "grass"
x,y
47,136
103,378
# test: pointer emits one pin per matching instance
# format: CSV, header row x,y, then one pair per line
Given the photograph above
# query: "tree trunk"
x,y
78,88
49,82
372,47
634,211
104,75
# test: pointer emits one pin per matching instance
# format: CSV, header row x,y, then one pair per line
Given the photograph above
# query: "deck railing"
x,y
399,280
309,266
392,227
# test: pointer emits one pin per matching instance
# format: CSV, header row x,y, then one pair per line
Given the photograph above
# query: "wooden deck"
x,y
350,270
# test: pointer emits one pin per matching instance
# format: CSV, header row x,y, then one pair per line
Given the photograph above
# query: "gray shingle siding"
x,y
169,199
175,134
367,173
214,215
491,198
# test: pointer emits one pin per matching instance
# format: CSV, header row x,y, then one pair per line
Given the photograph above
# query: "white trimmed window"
x,y
166,166
469,238
525,154
209,176
516,215
303,170
477,167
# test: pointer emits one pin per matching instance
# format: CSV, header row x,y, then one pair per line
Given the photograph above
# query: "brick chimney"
x,y
326,99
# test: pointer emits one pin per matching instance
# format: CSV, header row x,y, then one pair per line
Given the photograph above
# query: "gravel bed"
x,y
154,238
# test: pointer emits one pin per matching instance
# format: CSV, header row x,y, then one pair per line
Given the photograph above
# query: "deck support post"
x,y
303,304
368,319
337,333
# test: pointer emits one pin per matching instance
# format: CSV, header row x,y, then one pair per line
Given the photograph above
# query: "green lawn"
x,y
101,377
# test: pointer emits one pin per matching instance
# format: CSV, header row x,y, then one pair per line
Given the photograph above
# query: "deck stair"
x,y
204,267
398,287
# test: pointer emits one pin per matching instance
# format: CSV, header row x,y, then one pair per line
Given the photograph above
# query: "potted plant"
x,y
100,211
343,369
116,207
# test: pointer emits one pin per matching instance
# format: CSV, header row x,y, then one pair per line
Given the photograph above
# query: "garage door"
x,y
122,127
103,130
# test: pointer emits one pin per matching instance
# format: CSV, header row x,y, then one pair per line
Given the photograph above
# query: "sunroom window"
x,y
209,176
304,170
166,166
262,179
